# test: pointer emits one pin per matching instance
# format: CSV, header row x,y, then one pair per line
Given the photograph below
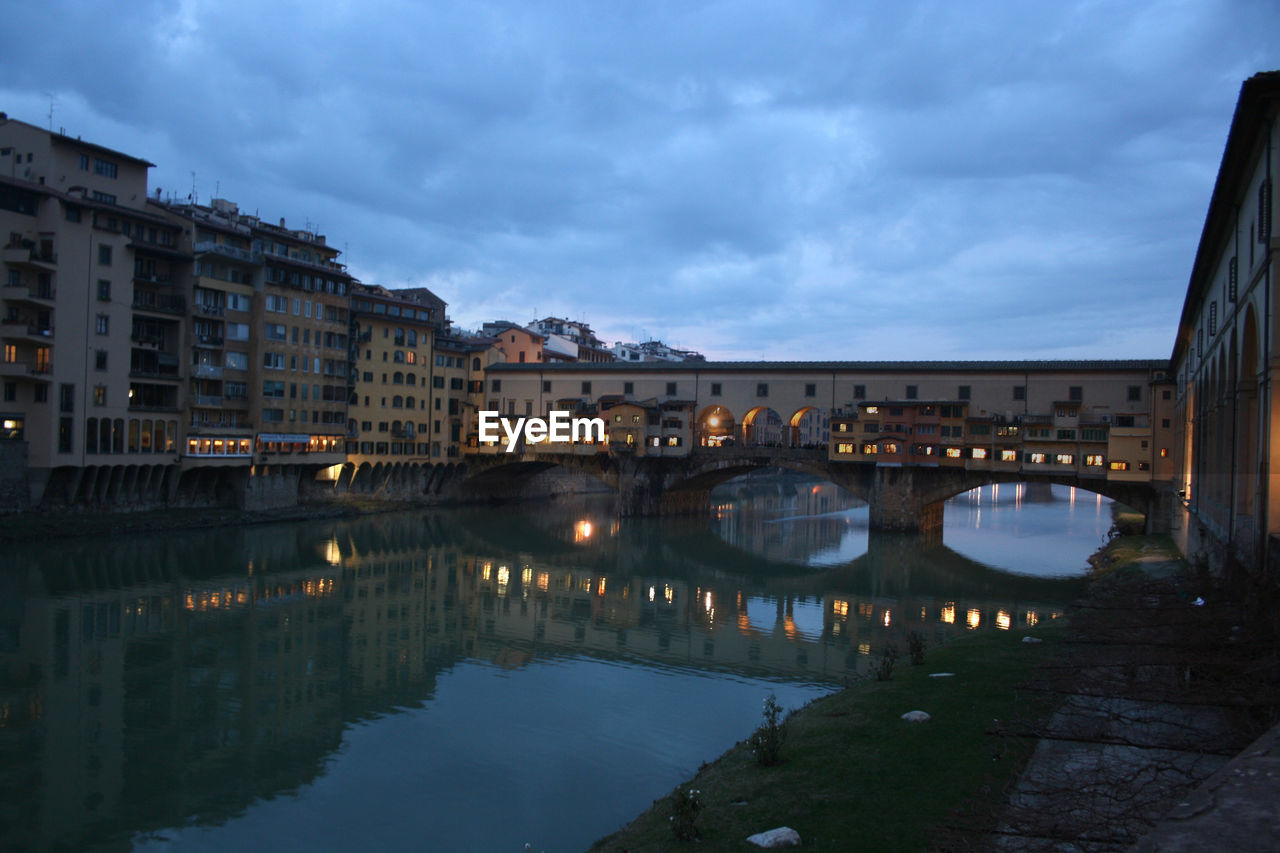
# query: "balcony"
x,y
41,296
153,277
21,330
162,374
235,402
210,310
214,401
162,303
150,339
25,256
206,371
209,246
208,340
25,370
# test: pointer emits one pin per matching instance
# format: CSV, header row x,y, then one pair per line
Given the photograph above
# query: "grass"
x,y
1140,552
855,775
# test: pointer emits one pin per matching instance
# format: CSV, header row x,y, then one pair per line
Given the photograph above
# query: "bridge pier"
x,y
898,504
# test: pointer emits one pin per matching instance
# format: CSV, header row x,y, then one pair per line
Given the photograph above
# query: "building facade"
x,y
1228,470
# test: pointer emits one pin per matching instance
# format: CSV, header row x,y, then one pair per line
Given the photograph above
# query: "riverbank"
x,y
854,772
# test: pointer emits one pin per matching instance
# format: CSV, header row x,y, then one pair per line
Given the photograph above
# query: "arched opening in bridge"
x,y
763,427
1033,528
809,427
716,427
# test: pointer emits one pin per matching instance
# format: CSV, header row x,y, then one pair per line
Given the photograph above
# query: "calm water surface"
x,y
465,679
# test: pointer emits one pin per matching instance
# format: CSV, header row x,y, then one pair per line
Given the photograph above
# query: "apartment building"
x,y
394,376
92,316
268,330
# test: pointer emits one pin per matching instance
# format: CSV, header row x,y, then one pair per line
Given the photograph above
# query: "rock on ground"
x,y
776,839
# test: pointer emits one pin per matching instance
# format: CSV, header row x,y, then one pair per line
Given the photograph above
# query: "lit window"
x,y
979,453
873,410
844,448
869,449
1008,456
953,453
1065,459
1093,460
1119,466
1038,458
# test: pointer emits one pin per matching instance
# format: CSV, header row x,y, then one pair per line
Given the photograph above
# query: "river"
x,y
467,678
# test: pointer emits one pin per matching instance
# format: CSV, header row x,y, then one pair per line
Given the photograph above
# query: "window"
x,y
1019,392
1008,456
1065,459
495,385
715,389
810,389
99,395
586,387
236,360
859,392
104,256
1118,465
762,389
979,453
105,198
273,360
277,304
1066,435
10,392
1075,393
1093,460
272,388
276,331
104,290
844,447
66,397
912,392
102,324
1233,278
953,453
104,167
84,162
65,430
963,392
1135,393
671,389
100,359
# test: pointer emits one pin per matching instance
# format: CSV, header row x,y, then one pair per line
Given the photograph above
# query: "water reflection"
x,y
1036,529
414,676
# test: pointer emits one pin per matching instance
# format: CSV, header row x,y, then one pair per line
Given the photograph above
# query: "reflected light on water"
x,y
949,613
582,531
973,618
1003,620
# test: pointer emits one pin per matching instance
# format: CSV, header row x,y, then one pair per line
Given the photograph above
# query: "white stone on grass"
x,y
1032,640
941,674
776,839
916,717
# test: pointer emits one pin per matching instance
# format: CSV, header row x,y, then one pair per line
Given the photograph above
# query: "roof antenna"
x,y
194,198
51,103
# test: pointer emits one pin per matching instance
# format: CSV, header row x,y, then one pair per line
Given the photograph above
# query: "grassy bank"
x,y
854,774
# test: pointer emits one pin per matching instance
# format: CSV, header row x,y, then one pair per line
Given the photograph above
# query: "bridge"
x,y
904,436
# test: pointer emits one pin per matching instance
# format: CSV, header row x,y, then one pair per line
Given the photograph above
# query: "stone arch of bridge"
x,y
712,473
951,482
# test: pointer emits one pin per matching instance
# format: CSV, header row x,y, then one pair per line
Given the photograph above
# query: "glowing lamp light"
x,y
715,422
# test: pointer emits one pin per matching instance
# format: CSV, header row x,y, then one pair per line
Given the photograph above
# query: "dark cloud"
x,y
790,180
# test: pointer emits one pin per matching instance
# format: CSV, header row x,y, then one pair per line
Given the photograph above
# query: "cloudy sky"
x,y
782,180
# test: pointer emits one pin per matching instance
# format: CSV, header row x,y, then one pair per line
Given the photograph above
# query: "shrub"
x,y
684,814
766,741
915,647
887,659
